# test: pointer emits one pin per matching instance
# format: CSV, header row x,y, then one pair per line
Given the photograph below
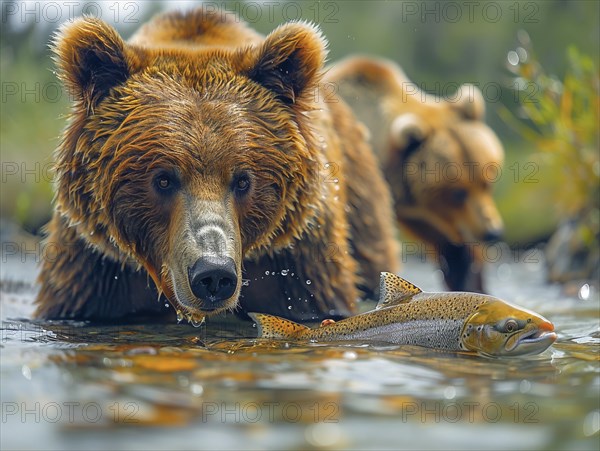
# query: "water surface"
x,y
69,385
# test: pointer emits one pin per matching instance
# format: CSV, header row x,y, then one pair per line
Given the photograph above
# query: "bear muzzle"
x,y
213,279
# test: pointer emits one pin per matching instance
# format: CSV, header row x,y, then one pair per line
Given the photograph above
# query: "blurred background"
x,y
536,62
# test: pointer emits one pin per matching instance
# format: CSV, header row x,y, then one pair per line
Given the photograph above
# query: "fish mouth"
x,y
532,342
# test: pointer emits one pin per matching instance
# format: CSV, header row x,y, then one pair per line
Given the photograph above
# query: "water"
x,y
69,385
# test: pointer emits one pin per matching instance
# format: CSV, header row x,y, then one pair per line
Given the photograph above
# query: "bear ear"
x,y
91,58
408,131
290,60
470,103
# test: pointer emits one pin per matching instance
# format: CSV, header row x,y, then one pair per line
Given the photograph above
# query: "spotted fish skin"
x,y
429,319
453,321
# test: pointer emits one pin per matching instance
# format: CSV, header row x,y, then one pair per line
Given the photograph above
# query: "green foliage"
x,y
560,118
433,50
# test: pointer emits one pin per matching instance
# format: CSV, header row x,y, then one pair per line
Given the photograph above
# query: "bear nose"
x,y
493,235
213,278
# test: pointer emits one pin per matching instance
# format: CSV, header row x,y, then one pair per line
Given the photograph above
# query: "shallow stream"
x,y
66,385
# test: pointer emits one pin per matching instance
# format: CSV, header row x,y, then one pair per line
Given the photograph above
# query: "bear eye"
x,y
164,183
241,184
459,196
511,325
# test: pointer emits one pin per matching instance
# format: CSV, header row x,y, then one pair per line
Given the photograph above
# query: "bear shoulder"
x,y
369,72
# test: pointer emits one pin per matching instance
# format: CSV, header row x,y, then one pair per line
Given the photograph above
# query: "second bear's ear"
x,y
91,59
408,131
470,102
290,60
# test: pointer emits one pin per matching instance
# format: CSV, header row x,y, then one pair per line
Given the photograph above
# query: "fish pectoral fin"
x,y
395,290
270,326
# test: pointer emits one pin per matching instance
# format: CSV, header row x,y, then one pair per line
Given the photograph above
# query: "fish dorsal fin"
x,y
270,326
395,290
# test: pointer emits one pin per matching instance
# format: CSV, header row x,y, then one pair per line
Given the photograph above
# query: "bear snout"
x,y
493,235
213,279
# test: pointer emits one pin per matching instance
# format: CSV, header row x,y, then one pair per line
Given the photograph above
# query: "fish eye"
x,y
511,325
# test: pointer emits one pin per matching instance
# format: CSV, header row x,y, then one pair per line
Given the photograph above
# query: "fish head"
x,y
501,329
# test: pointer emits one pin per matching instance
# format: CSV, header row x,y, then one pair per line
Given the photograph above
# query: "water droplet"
x,y
584,292
267,273
522,53
523,37
26,372
196,389
524,386
284,272
167,305
245,282
289,307
324,435
197,323
591,424
449,392
116,277
308,282
513,58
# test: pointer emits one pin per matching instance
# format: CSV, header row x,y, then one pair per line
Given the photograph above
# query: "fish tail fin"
x,y
274,327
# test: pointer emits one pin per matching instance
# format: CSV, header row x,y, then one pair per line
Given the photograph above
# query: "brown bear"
x,y
438,156
200,154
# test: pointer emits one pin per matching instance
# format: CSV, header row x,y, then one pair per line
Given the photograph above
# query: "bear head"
x,y
443,161
183,161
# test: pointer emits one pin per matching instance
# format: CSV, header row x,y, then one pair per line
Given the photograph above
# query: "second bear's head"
x,y
185,161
